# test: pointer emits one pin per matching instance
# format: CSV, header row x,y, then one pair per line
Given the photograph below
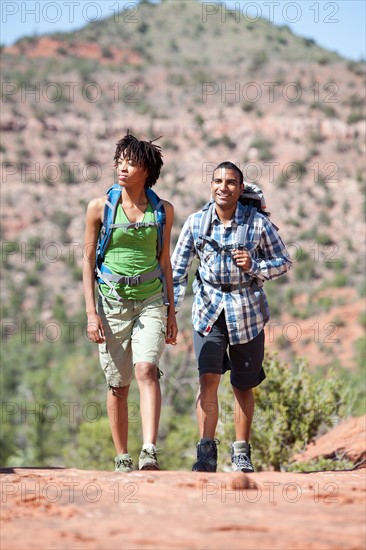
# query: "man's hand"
x,y
95,329
242,259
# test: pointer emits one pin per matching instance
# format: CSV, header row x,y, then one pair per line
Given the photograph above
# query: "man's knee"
x,y
209,381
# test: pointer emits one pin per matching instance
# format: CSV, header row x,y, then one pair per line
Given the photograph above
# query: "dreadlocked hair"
x,y
143,153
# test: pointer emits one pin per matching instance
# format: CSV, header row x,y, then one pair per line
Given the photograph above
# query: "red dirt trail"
x,y
74,509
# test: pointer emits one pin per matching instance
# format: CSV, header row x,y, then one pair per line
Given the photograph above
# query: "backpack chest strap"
x,y
202,239
133,225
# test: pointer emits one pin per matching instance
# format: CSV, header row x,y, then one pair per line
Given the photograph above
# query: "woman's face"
x,y
129,172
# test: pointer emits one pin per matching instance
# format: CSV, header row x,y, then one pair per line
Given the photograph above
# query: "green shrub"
x,y
291,406
264,147
247,107
322,464
305,268
94,448
362,319
259,59
340,280
324,60
355,116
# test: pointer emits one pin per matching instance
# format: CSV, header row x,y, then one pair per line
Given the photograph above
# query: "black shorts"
x,y
215,355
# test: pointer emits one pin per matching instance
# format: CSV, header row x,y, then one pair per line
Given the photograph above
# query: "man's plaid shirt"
x,y
246,308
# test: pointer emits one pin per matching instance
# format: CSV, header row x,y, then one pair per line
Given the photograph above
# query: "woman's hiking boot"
x,y
123,463
148,459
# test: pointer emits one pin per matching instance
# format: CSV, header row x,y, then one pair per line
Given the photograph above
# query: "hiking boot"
x,y
123,463
240,457
148,460
206,456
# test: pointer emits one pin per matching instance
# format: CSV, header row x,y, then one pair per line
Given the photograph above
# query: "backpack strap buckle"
x,y
131,281
226,288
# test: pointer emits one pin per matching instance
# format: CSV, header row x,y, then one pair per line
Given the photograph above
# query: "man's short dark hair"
x,y
230,166
143,153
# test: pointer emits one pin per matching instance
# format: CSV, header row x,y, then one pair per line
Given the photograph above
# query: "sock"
x,y
148,445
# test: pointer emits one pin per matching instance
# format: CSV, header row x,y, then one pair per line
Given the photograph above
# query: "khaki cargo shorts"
x,y
135,332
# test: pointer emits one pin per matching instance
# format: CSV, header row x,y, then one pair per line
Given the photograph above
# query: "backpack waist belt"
x,y
130,280
229,287
255,284
104,275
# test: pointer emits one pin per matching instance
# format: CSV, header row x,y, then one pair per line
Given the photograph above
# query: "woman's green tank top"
x,y
132,252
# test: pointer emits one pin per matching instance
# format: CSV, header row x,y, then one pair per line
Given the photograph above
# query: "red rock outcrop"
x,y
49,47
347,440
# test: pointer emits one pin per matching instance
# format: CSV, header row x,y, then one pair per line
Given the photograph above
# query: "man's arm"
x,y
274,259
181,262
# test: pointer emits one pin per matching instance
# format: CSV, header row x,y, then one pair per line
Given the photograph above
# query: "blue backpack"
x,y
102,273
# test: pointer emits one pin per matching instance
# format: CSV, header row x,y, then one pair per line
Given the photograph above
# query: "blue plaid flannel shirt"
x,y
246,308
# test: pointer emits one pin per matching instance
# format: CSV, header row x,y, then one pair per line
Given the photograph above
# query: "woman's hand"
x,y
171,328
95,329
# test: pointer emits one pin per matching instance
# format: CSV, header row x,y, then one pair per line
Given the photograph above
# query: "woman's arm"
x,y
92,228
164,261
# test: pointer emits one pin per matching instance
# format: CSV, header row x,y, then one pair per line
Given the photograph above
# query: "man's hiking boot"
x,y
123,463
206,456
148,459
240,457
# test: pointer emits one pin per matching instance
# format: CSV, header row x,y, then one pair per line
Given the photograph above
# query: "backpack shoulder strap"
x,y
204,224
160,219
159,214
110,208
249,215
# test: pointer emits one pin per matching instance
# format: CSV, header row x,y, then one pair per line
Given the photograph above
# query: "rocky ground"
x,y
57,508
60,508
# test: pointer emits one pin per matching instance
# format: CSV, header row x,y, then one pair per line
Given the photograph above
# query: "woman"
x,y
131,323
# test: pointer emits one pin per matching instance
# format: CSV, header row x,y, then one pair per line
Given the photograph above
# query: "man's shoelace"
x,y
242,460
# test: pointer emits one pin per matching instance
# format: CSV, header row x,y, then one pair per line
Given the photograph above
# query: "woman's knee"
x,y
146,372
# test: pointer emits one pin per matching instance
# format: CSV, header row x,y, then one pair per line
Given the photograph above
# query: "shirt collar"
x,y
237,218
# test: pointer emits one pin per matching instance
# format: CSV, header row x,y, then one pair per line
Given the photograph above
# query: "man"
x,y
131,323
230,308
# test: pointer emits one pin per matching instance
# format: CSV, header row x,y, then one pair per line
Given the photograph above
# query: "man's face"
x,y
225,188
